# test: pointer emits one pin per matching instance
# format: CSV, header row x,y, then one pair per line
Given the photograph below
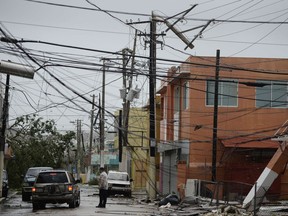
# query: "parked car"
x,y
5,185
28,181
55,186
119,183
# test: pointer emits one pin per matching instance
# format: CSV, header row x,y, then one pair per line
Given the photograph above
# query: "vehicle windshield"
x,y
118,176
34,172
52,177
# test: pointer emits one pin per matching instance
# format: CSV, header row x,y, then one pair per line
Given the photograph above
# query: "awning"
x,y
249,142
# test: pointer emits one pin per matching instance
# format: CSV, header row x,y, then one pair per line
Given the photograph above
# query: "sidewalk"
x,y
10,194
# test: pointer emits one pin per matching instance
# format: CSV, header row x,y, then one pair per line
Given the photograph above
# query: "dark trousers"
x,y
103,194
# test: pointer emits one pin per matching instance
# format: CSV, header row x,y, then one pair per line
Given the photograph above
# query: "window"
x,y
186,95
176,99
274,94
227,93
52,178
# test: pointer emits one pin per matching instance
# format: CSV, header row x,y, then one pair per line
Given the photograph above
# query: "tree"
x,y
36,142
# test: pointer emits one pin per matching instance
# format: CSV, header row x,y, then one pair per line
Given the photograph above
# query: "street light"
x,y
15,69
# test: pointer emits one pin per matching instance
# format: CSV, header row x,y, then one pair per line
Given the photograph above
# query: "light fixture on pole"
x,y
15,69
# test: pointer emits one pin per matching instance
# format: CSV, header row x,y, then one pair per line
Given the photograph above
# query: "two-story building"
x,y
252,107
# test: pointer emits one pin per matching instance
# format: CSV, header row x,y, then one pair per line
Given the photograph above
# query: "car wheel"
x,y
42,205
35,206
72,204
25,196
78,200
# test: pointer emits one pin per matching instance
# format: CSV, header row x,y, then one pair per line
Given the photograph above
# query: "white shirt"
x,y
103,184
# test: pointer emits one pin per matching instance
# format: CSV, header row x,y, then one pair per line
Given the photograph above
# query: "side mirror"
x,y
131,180
77,181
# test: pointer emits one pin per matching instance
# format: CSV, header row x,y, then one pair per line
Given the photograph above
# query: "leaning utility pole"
x,y
123,164
126,103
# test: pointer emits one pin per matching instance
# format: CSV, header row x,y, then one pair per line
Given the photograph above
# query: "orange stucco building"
x,y
252,108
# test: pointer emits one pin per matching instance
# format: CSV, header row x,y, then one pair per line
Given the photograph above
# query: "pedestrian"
x,y
103,188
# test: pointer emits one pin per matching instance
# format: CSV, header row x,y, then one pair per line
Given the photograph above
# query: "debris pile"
x,y
224,210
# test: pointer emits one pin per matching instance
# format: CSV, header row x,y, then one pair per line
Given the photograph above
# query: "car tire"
x,y
78,201
42,205
73,203
25,196
35,206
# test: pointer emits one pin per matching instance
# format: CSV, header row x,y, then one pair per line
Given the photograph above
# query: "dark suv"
x,y
29,179
55,186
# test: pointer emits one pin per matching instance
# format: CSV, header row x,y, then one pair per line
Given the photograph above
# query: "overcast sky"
x,y
242,28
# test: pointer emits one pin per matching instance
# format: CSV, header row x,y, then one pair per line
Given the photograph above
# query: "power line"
x,y
147,15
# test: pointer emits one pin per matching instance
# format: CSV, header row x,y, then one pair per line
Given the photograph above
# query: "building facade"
x,y
236,129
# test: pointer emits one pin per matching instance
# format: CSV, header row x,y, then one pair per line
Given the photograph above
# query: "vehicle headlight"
x,y
4,184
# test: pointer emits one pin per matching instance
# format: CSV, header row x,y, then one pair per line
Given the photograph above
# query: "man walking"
x,y
103,188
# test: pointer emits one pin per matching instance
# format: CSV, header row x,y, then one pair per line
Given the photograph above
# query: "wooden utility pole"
x,y
102,119
152,133
215,119
123,164
78,164
3,128
91,140
120,136
126,103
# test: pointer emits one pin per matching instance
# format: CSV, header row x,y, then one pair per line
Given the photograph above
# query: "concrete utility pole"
x,y
274,168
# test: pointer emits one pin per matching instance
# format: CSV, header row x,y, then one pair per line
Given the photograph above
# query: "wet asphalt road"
x,y
14,206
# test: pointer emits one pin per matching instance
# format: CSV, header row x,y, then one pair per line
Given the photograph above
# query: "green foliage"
x,y
36,143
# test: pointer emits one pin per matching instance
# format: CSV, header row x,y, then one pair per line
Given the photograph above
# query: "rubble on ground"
x,y
224,210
